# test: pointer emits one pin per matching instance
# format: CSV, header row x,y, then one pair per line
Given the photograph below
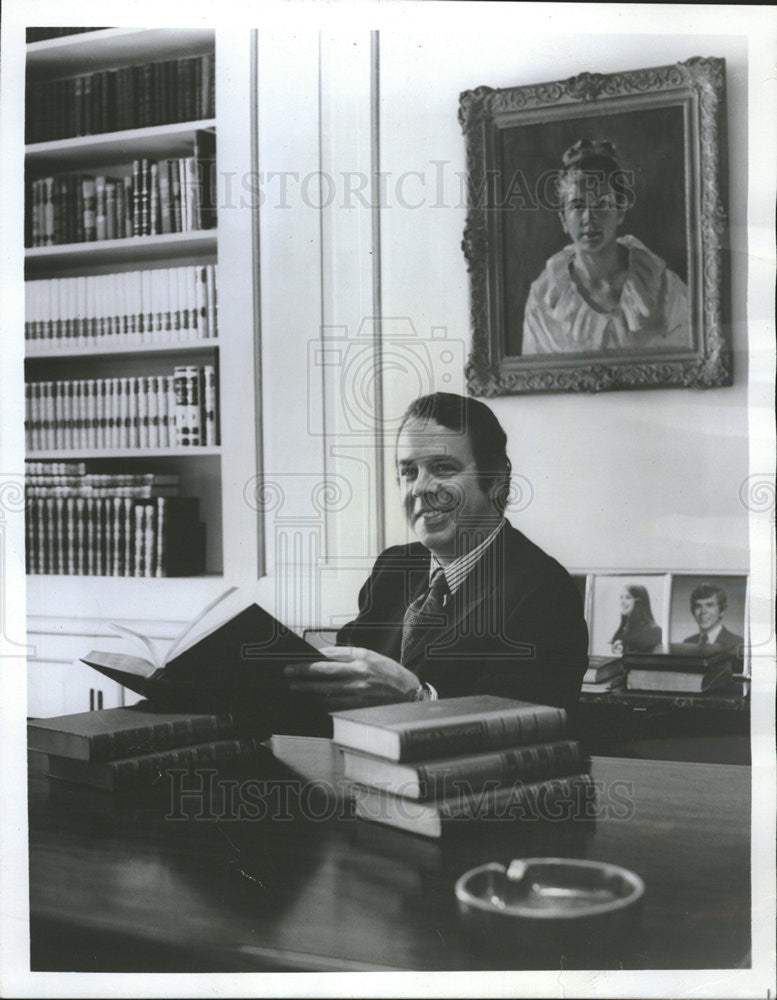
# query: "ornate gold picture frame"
x,y
537,325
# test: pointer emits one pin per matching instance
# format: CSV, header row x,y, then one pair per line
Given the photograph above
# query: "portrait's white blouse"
x,y
653,309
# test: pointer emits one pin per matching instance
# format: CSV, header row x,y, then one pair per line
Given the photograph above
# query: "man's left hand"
x,y
352,677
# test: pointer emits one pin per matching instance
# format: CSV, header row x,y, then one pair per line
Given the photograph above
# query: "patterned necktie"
x,y
704,640
426,612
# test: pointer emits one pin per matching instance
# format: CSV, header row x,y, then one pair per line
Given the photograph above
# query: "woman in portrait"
x,y
602,292
637,632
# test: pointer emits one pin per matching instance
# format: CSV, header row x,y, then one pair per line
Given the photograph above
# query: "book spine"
x,y
153,411
143,395
538,724
194,395
139,537
530,763
89,194
135,413
123,513
163,407
211,406
148,769
134,771
60,565
101,228
149,541
537,799
161,537
117,531
181,409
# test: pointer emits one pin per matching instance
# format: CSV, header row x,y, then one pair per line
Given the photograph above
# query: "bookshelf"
x,y
158,141
98,256
215,473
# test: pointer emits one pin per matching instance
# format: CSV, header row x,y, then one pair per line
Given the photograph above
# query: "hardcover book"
x,y
237,667
447,775
558,798
602,668
149,769
687,657
110,733
419,730
677,681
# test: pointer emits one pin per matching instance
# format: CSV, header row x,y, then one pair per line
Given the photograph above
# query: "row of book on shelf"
x,y
154,411
682,668
109,533
150,306
145,198
111,100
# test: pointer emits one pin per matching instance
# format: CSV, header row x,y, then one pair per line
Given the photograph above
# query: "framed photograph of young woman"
x,y
630,613
596,232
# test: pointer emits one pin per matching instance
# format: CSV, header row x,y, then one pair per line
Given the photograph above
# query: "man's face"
x,y
589,214
707,613
441,496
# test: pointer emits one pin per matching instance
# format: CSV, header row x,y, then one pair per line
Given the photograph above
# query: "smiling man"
x,y
473,606
708,606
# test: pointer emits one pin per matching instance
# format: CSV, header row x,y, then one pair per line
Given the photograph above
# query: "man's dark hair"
x,y
705,590
486,437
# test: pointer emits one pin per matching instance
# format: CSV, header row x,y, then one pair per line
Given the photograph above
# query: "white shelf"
x,y
105,350
155,142
110,48
130,249
69,454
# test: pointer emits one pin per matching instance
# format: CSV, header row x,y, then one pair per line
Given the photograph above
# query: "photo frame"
x,y
711,603
629,612
667,126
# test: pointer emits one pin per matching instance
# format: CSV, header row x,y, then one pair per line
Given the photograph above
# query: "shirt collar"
x,y
713,633
458,570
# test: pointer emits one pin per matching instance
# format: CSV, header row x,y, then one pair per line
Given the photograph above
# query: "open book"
x,y
236,667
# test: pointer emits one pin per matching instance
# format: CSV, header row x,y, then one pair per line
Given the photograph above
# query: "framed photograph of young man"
x,y
596,232
709,610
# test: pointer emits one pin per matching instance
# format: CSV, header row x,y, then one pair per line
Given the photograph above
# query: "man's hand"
x,y
353,677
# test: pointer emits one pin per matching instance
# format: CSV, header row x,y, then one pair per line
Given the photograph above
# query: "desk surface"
x,y
116,886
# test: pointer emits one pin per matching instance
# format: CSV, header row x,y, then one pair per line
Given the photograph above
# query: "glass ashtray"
x,y
555,904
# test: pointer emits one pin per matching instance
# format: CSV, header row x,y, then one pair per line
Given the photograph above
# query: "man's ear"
x,y
563,222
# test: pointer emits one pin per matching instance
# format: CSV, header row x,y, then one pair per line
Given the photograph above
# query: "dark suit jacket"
x,y
725,639
514,628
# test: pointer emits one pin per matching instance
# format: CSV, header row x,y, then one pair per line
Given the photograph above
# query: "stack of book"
x,y
166,305
118,749
110,524
142,411
146,198
427,766
684,668
604,673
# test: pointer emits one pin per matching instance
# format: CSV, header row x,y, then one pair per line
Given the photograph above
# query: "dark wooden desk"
x,y
116,886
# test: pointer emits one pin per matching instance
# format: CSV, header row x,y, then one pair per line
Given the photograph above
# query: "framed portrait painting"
x,y
596,232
